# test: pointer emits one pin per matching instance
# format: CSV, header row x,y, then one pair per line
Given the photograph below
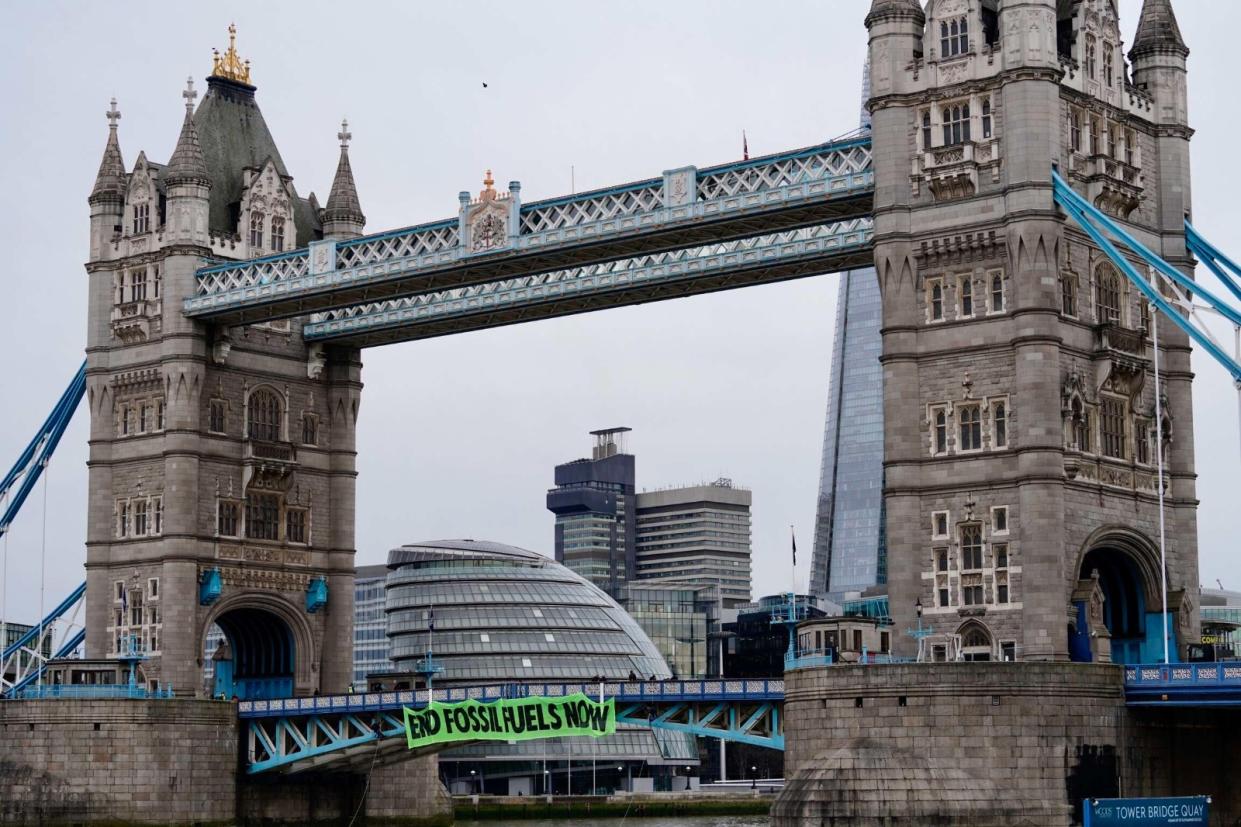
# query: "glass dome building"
x,y
497,613
494,613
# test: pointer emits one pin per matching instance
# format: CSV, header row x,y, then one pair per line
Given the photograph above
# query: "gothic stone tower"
x,y
1020,454
221,461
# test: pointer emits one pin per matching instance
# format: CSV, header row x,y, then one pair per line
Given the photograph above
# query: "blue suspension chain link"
x,y
1213,258
29,466
1086,216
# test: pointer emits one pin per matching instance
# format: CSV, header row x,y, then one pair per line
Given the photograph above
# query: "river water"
x,y
667,821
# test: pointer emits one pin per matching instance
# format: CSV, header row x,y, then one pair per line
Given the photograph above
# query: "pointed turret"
x,y
110,182
1158,31
187,164
880,9
342,217
187,182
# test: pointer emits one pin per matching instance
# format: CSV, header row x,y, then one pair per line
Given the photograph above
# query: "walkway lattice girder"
x,y
765,259
831,182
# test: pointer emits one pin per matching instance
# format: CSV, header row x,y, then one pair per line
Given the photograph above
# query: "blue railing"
x,y
636,691
810,658
1184,684
92,692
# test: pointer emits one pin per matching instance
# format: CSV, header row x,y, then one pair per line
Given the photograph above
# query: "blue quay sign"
x,y
1146,812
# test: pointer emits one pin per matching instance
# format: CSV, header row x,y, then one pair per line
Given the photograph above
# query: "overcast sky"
x,y
458,436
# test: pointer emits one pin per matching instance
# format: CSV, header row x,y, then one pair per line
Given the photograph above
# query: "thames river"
x,y
677,821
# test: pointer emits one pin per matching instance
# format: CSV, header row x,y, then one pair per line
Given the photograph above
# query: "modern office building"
x,y
490,612
370,624
594,506
756,642
682,621
696,535
849,549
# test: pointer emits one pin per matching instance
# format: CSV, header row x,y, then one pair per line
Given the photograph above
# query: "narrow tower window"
x,y
999,419
997,293
937,302
1075,129
277,234
1107,64
967,297
926,130
1091,59
986,117
264,415
256,230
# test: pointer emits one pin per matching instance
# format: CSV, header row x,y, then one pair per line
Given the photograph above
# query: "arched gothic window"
x,y
256,230
277,234
1108,295
956,124
954,37
999,423
265,415
997,293
937,302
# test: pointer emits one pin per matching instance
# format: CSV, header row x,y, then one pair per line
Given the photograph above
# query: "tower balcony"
x,y
132,321
1120,358
268,464
955,171
1112,185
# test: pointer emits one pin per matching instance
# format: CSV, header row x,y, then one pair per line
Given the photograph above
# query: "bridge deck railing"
x,y
621,691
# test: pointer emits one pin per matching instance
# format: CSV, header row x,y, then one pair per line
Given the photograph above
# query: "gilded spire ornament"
x,y
229,65
489,193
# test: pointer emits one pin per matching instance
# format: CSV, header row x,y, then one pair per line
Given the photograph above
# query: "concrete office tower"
x,y
594,506
698,535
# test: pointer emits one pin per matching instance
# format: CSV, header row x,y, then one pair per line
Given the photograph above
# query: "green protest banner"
x,y
519,719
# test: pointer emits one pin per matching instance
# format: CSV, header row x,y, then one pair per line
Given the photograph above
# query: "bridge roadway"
x,y
352,731
793,214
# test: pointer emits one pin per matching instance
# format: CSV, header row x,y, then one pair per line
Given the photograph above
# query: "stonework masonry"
x,y
986,745
175,762
1017,362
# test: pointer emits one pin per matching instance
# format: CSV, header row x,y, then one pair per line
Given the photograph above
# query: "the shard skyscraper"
x,y
849,548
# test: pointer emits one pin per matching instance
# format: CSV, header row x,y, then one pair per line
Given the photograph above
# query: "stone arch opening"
x,y
1127,569
976,642
256,658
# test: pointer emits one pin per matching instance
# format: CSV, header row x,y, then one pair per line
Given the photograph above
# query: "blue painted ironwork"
x,y
726,202
30,464
210,586
676,272
57,635
296,734
1099,227
316,595
84,692
1184,684
1214,260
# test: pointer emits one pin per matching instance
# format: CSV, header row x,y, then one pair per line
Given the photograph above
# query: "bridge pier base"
x,y
175,762
983,744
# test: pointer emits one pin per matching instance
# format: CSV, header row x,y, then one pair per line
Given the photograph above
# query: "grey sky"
x,y
458,436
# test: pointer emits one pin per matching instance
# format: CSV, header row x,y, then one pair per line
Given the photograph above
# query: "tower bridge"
x,y
1022,192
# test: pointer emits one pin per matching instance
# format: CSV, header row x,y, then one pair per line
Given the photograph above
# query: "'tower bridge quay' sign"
x,y
520,719
1146,812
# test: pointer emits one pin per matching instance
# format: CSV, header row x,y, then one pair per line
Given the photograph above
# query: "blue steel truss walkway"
x,y
685,208
349,731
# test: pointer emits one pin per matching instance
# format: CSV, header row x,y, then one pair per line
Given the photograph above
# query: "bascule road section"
x,y
499,261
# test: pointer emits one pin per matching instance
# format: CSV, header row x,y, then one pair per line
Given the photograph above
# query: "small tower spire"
x,y
187,164
342,217
1158,31
110,182
880,9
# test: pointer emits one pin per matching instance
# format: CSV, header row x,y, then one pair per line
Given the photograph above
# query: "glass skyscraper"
x,y
850,550
849,547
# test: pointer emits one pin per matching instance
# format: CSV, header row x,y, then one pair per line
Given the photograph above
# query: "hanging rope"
x,y
1163,554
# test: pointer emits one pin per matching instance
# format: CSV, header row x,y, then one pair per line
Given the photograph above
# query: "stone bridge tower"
x,y
221,460
1020,452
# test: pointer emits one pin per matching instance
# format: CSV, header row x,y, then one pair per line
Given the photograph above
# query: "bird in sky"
x,y
485,85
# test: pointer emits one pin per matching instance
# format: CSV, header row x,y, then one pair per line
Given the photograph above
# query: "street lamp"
x,y
753,777
472,782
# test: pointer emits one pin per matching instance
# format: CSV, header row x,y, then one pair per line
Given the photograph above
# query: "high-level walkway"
x,y
798,213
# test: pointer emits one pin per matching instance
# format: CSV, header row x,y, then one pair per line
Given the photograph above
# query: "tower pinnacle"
x,y
187,164
342,216
1158,31
896,8
110,182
